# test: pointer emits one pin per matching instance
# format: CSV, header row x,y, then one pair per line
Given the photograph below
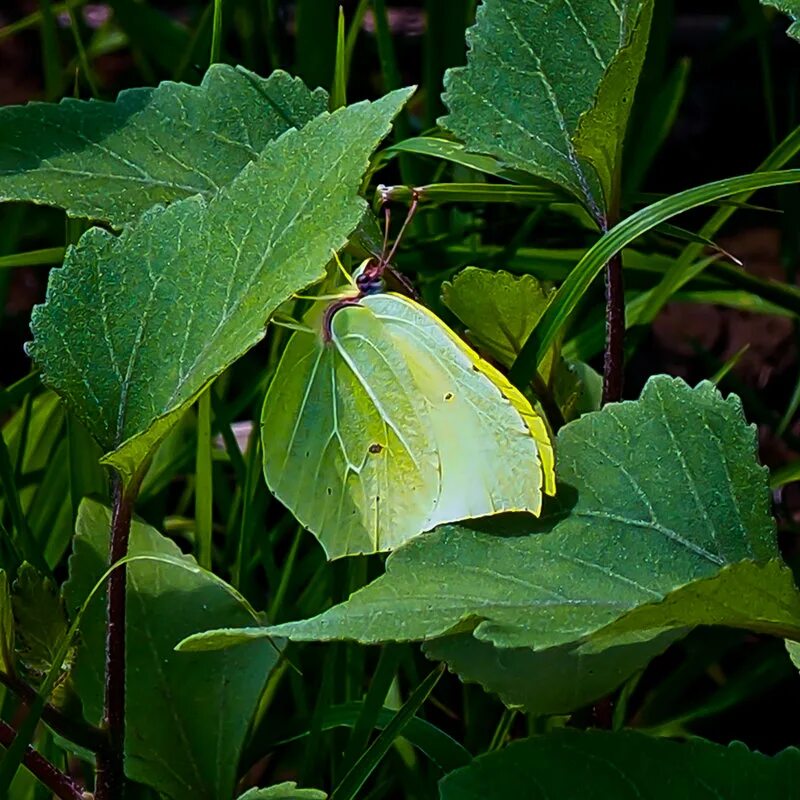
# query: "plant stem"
x,y
80,733
54,779
614,361
110,774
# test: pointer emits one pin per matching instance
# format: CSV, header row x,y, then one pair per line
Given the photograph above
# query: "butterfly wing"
x,y
396,426
345,446
494,451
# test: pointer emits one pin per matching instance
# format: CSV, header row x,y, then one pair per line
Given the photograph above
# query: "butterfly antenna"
x,y
412,209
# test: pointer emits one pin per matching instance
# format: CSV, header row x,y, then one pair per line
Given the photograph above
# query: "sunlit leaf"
x,y
112,161
548,89
653,495
135,327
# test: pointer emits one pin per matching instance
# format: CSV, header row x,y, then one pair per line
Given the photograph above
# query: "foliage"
x,y
172,446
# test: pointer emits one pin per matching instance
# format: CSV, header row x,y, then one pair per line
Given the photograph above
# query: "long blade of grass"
x,y
675,277
33,258
216,33
23,538
83,59
339,87
352,33
580,279
353,781
203,486
373,702
36,18
469,193
51,58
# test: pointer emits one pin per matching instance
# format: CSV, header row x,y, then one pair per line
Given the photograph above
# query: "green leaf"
x,y
135,327
548,89
41,622
623,765
653,494
189,749
756,597
284,791
553,681
374,421
793,648
6,626
574,288
112,161
499,309
792,9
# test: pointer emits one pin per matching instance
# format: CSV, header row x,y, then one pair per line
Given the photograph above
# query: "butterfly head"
x,y
369,277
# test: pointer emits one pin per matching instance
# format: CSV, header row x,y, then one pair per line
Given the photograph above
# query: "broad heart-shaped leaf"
x,y
395,426
792,9
654,494
112,161
136,326
548,88
625,766
553,681
186,714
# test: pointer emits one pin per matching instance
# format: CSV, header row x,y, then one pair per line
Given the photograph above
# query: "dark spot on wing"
x,y
448,396
330,491
475,368
375,448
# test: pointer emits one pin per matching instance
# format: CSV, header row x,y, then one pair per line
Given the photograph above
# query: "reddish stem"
x,y
614,361
60,784
110,772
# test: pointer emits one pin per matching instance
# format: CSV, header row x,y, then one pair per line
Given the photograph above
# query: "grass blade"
x,y
363,768
339,86
203,487
216,33
580,279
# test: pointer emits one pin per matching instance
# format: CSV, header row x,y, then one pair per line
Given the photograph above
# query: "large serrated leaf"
x,y
112,161
135,326
655,494
624,765
548,88
189,749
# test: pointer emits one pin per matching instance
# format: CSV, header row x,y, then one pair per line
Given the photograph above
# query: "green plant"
x,y
166,663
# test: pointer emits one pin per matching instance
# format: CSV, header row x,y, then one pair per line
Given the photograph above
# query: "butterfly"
x,y
383,423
